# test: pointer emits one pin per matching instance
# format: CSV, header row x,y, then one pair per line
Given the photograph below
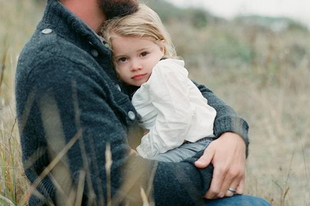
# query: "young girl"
x,y
177,118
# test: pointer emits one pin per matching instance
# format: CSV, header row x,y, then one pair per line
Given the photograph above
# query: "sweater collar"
x,y
68,25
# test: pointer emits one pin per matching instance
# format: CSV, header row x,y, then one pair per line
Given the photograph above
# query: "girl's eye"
x,y
122,59
143,54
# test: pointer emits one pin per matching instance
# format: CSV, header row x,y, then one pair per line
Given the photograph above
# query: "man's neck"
x,y
87,10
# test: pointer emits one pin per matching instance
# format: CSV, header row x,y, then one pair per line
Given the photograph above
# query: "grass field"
x,y
263,74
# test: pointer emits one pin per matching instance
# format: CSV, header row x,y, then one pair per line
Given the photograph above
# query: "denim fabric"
x,y
186,150
238,200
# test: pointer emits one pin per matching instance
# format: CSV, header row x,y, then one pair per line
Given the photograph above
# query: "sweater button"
x,y
106,45
94,52
131,115
47,31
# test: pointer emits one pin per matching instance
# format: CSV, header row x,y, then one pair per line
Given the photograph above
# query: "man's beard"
x,y
115,8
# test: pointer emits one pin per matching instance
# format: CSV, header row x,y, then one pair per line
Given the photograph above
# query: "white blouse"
x,y
172,108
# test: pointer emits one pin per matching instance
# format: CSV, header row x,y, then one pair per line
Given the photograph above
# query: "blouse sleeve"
x,y
170,96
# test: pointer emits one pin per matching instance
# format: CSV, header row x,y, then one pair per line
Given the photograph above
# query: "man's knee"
x,y
238,200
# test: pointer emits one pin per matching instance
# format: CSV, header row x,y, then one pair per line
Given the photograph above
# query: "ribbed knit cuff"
x,y
233,124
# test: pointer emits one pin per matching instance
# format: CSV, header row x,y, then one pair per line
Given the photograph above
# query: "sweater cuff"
x,y
233,124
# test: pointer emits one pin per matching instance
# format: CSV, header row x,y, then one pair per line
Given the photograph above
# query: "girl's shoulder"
x,y
170,67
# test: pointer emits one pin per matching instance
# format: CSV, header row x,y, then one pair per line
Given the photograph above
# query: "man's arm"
x,y
227,120
228,152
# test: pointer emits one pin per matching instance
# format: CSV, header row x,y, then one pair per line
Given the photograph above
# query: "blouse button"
x,y
131,115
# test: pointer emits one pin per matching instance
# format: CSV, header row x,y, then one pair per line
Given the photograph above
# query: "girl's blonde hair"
x,y
143,23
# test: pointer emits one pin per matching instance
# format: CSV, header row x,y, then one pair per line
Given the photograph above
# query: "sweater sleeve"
x,y
226,120
83,143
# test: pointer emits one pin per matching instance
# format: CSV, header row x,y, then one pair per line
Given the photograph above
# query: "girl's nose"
x,y
136,65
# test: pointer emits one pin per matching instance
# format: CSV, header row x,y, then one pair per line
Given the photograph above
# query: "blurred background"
x,y
232,8
255,55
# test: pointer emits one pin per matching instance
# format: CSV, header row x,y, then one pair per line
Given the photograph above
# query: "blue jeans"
x,y
185,151
238,200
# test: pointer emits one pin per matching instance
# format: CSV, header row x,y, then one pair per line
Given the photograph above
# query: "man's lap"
x,y
238,200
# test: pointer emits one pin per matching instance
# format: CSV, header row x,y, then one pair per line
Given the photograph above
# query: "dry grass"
x,y
273,95
278,166
15,29
271,91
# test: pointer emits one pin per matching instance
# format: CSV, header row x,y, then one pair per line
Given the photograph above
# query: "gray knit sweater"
x,y
71,109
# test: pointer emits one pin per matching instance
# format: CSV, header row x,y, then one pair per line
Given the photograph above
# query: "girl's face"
x,y
135,57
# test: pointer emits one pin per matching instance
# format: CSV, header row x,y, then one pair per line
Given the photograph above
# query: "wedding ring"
x,y
232,190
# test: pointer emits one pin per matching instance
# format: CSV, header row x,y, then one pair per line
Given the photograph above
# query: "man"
x,y
74,117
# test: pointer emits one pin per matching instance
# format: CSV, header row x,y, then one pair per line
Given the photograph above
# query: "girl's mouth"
x,y
138,76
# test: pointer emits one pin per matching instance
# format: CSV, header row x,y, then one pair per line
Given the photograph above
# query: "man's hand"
x,y
227,154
